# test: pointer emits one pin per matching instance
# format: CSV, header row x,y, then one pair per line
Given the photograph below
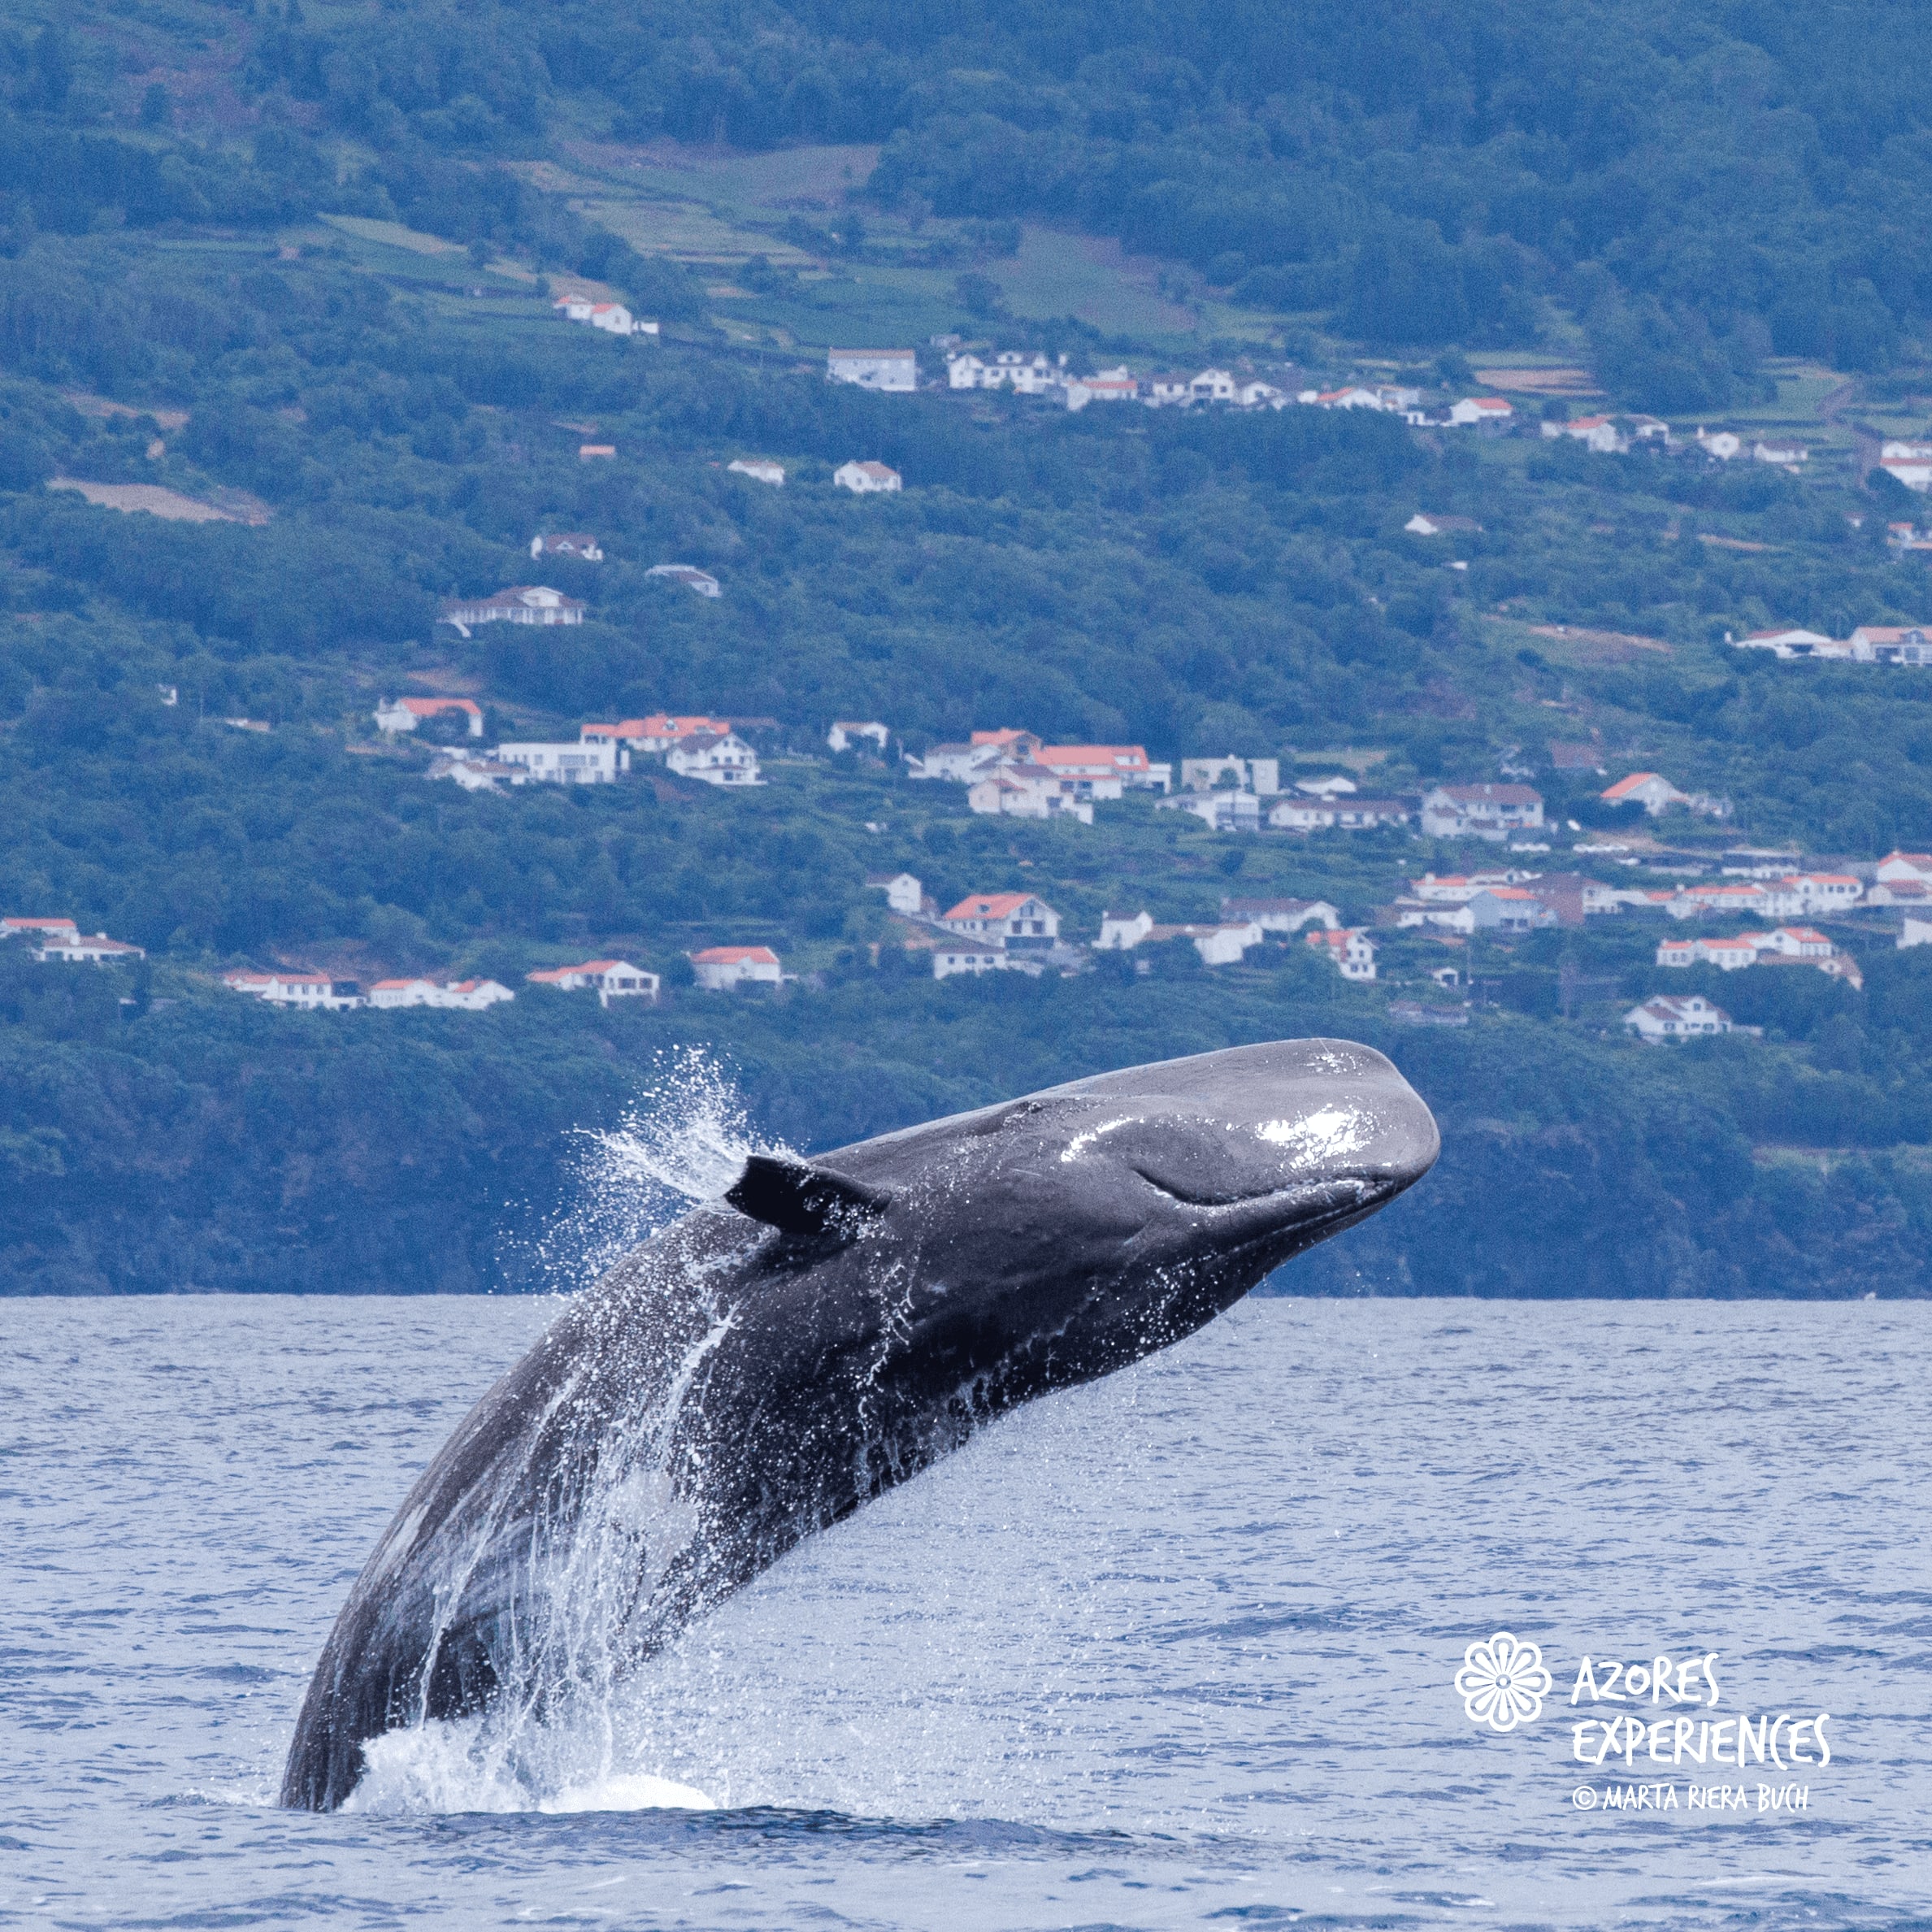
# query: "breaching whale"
x,y
830,1328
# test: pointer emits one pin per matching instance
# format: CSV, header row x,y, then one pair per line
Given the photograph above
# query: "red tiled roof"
x,y
734,956
988,905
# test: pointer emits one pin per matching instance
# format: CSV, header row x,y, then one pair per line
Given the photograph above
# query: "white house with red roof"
x,y
1002,916
314,992
1353,396
1507,908
612,317
520,604
1897,866
1351,949
1028,790
1481,412
1909,644
77,949
1103,386
865,479
41,931
1102,771
1594,432
609,979
1656,795
721,968
1487,811
658,732
395,714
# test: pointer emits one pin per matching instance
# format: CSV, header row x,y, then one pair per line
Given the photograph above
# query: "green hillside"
x,y
286,273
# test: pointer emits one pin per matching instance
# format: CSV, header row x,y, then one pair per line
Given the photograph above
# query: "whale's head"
x,y
1094,1222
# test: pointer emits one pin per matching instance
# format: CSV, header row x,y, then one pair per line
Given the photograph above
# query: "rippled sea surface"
x,y
1176,1651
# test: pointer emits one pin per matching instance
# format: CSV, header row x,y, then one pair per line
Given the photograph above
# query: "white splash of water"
x,y
683,1140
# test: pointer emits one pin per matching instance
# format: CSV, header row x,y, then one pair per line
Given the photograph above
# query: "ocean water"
x,y
1179,1650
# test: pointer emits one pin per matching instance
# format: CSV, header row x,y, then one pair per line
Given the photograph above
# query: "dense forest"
x,y
1686,196
1703,185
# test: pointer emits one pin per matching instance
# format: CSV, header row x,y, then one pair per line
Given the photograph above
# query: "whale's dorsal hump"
x,y
797,1198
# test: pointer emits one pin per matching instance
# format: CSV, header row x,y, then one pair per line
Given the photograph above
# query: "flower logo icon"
x,y
1502,1682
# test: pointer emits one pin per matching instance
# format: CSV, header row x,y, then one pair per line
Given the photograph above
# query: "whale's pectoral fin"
x,y
799,1199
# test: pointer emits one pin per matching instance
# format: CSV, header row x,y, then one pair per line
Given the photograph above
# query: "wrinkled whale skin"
x,y
746,1378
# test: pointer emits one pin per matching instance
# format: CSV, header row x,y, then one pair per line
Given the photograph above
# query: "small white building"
x,y
580,764
1915,932
1103,386
1002,916
612,317
1355,396
1213,385
1121,932
458,996
1594,432
314,992
689,576
1794,643
521,604
41,931
1221,811
476,773
1722,444
904,893
721,968
967,956
1481,412
609,979
395,714
1222,944
76,948
846,733
1656,795
714,758
1261,776
863,478
759,469
1351,949
1282,915
577,545
1790,456
1669,1017
1338,815
1487,811
895,371
1028,791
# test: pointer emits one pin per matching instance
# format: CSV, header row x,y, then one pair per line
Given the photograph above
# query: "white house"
x,y
476,774
1354,396
1282,915
1594,432
963,763
1222,944
1794,643
314,992
75,949
1260,395
1103,386
1168,388
1222,811
1351,949
656,733
1914,472
1213,385
580,764
1915,932
846,733
1791,456
395,714
1656,795
1895,867
1121,933
894,369
1485,811
1103,770
41,931
862,479
759,469
609,979
714,758
1481,412
1002,916
576,544
521,604
1261,776
1028,791
965,956
1892,643
1338,814
720,968
1670,1018
1720,443
689,576
1508,908
612,317
461,996
904,893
